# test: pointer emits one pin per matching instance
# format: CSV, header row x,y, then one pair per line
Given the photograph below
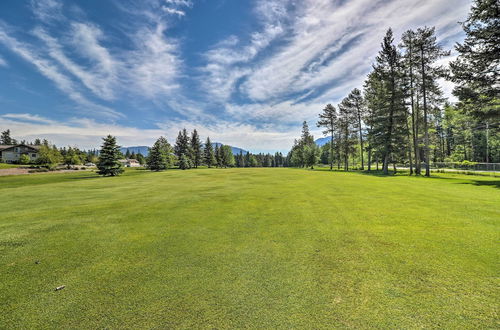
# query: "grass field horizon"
x,y
251,247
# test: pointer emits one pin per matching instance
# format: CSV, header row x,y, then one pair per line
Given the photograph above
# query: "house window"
x,y
16,149
33,155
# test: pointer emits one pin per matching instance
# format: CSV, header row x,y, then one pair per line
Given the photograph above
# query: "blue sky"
x,y
244,72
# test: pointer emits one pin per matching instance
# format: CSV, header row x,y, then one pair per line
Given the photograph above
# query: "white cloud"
x,y
155,64
52,72
3,62
47,10
323,27
99,78
173,11
87,133
228,61
28,117
180,3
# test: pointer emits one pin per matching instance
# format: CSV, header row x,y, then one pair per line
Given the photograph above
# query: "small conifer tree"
x,y
109,164
157,158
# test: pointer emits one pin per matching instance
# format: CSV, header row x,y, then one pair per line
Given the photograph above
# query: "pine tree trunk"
x,y
369,160
414,116
388,143
409,147
487,142
360,139
331,150
426,128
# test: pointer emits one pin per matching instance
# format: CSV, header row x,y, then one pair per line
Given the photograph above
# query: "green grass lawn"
x,y
5,165
259,248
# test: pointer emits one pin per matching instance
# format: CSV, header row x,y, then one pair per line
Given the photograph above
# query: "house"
x,y
12,153
130,162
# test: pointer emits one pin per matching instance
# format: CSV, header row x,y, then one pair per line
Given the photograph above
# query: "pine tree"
x,y
303,152
184,162
159,155
182,145
429,52
226,156
328,120
410,62
346,129
5,138
386,103
217,155
356,109
109,156
208,154
475,71
140,158
196,149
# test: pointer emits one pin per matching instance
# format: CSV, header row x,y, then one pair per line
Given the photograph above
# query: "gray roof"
x,y
8,146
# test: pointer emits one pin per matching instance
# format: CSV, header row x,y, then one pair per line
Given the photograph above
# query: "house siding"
x,y
12,154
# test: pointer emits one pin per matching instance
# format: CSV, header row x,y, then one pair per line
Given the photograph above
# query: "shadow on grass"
x,y
492,183
85,177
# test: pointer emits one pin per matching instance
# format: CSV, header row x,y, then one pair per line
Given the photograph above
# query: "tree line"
x,y
401,116
189,152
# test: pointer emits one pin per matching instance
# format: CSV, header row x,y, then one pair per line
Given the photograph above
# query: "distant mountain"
x,y
235,150
322,141
144,150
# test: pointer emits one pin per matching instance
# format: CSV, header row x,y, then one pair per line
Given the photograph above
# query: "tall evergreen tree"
x,y
410,64
346,129
355,108
208,154
304,151
226,156
476,70
159,155
385,93
182,145
217,154
429,52
196,149
328,120
109,156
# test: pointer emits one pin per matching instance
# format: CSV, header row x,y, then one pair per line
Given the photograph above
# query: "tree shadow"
x,y
491,183
85,177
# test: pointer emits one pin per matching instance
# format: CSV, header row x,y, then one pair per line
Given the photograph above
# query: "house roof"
x,y
8,146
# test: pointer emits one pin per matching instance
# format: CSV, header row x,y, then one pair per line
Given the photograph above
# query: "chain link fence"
x,y
468,166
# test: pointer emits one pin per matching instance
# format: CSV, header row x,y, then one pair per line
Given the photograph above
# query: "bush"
x,y
24,160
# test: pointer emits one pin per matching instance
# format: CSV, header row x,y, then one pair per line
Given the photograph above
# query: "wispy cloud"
x,y
80,58
325,49
176,7
53,73
47,10
28,117
291,59
3,62
101,76
229,60
154,66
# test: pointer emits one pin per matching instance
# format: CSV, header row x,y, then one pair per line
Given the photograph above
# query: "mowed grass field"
x,y
255,248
